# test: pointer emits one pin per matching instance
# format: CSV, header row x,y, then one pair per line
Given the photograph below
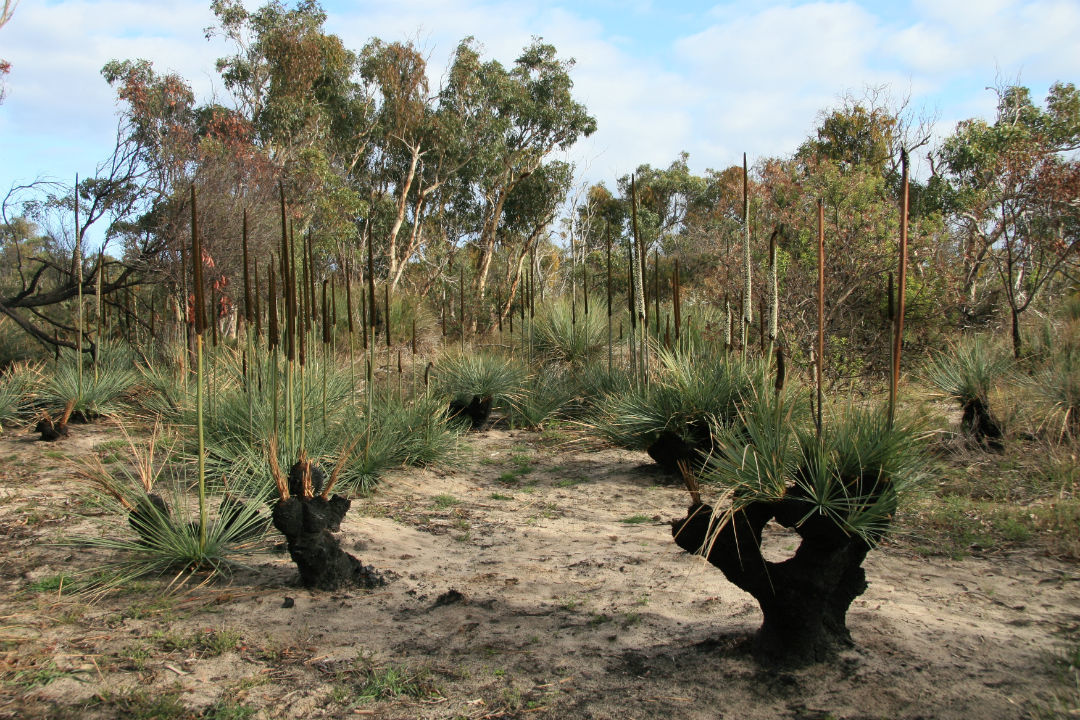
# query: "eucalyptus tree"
x,y
297,86
1013,186
526,113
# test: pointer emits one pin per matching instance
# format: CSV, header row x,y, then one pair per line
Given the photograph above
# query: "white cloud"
x,y
747,76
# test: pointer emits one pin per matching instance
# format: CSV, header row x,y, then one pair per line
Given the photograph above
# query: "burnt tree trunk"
x,y
308,525
804,599
981,425
477,409
693,447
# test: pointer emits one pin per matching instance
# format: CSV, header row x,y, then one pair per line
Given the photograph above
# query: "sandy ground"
x,y
534,579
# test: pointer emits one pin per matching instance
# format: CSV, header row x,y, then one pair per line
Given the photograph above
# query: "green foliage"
x,y
242,411
855,473
102,387
164,393
561,335
968,369
404,311
162,539
479,374
1057,385
545,394
17,384
692,393
416,432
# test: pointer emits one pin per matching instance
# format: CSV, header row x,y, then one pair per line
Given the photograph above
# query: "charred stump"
x,y
804,599
308,522
85,417
670,449
52,430
477,409
981,425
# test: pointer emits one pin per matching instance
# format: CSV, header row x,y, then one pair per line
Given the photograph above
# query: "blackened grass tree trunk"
x,y
308,516
305,512
836,485
838,491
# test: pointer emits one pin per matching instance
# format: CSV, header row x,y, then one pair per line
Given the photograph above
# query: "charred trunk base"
x,y
804,599
84,417
308,525
476,409
51,431
670,448
981,425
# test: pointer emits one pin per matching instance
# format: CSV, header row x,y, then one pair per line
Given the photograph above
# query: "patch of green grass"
x,y
53,583
392,682
142,704
522,465
39,675
442,502
208,643
229,710
571,481
135,656
953,525
55,455
635,519
500,496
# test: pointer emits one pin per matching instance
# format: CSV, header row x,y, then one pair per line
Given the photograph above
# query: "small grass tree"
x,y
966,372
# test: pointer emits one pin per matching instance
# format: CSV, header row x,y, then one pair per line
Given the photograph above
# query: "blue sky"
x,y
712,79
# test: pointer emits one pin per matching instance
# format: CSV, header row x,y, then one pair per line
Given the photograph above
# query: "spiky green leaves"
x,y
100,392
691,393
967,370
853,474
561,337
480,374
16,385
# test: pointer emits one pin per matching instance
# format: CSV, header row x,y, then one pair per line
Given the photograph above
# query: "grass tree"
x,y
474,383
838,490
1057,387
307,514
564,338
17,384
837,485
674,417
94,394
161,538
966,372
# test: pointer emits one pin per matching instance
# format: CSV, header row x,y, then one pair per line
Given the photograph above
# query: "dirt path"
x,y
536,579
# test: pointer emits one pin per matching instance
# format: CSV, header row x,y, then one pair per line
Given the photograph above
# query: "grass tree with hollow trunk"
x,y
836,484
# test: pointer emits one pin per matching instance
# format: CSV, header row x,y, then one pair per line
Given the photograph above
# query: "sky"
x,y
712,79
